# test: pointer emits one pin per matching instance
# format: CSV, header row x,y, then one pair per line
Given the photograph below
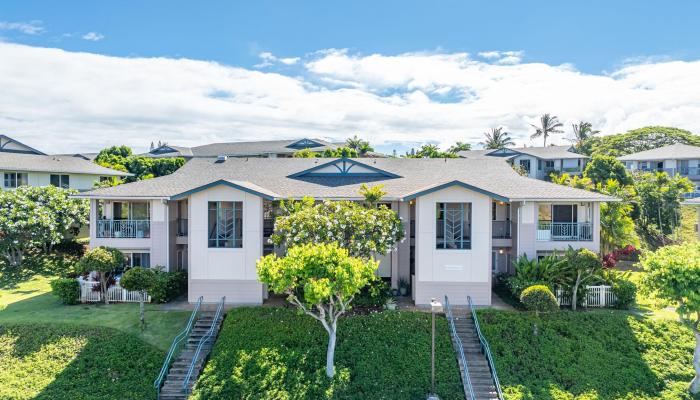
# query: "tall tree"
x,y
105,261
459,146
430,151
140,280
601,168
647,138
362,147
582,132
673,274
549,124
497,139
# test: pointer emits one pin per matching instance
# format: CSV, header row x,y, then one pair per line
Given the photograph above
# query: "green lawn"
x,y
274,353
589,355
57,362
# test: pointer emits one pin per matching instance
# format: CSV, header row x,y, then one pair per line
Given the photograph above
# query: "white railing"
x,y
124,228
596,296
564,231
90,293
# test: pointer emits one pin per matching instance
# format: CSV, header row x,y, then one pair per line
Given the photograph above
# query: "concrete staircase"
x,y
478,366
172,388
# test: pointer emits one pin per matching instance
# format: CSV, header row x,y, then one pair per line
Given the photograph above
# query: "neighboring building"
x,y
537,162
24,165
84,156
263,148
674,159
465,219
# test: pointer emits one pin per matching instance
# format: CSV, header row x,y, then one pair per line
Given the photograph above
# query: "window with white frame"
x,y
14,180
453,228
62,181
136,259
225,224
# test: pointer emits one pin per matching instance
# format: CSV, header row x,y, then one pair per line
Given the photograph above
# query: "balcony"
x,y
500,229
124,228
182,227
564,231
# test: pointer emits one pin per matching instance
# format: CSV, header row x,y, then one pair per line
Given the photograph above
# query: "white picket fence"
x,y
596,296
90,293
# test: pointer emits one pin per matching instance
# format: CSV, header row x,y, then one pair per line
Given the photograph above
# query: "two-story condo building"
x,y
465,219
22,165
537,162
674,159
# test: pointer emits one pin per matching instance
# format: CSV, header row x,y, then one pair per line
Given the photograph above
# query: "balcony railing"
x,y
182,226
125,228
564,231
500,229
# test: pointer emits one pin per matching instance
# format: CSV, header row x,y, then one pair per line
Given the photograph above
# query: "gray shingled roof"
x,y
545,153
46,163
416,175
676,151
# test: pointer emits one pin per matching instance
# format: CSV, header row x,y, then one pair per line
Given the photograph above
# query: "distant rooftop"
x,y
676,151
545,153
49,163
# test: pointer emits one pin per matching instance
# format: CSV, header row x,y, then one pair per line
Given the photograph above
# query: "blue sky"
x,y
595,36
408,72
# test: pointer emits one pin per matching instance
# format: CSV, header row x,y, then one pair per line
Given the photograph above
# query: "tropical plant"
x,y
121,158
575,181
528,272
581,267
105,261
616,223
430,151
659,197
372,194
549,124
673,273
139,280
362,147
647,138
459,146
321,280
601,168
497,139
305,153
582,132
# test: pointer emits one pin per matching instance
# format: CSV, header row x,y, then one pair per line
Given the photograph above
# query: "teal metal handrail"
x,y
486,349
173,347
460,351
207,336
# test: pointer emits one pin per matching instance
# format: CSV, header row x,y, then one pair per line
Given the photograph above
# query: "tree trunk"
x,y
695,384
142,316
330,371
14,256
574,292
103,283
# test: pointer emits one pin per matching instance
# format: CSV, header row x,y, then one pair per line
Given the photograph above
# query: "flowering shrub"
x,y
363,231
610,260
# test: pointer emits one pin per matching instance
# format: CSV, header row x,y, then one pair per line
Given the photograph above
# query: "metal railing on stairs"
x,y
486,349
468,389
158,383
204,340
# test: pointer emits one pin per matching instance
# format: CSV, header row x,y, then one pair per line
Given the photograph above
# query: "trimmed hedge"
x,y
66,289
65,362
601,355
625,293
167,286
275,353
539,298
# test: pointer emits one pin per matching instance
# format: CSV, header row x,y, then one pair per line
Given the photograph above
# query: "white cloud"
x,y
503,57
93,36
62,101
269,59
28,28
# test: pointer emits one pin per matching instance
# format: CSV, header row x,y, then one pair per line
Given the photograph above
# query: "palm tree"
x,y
548,124
582,131
361,146
459,146
497,139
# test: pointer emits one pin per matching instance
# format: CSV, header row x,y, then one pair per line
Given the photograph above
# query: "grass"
x,y
60,362
275,353
589,355
689,218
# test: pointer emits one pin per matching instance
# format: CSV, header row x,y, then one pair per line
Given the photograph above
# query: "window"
x,y
62,181
525,164
558,213
133,211
549,164
453,226
15,179
137,260
225,224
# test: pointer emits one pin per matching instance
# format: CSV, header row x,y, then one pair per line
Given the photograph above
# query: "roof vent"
x,y
221,158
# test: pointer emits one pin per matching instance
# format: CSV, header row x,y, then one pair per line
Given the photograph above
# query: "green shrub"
x,y
625,293
375,294
168,286
66,289
539,298
528,272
